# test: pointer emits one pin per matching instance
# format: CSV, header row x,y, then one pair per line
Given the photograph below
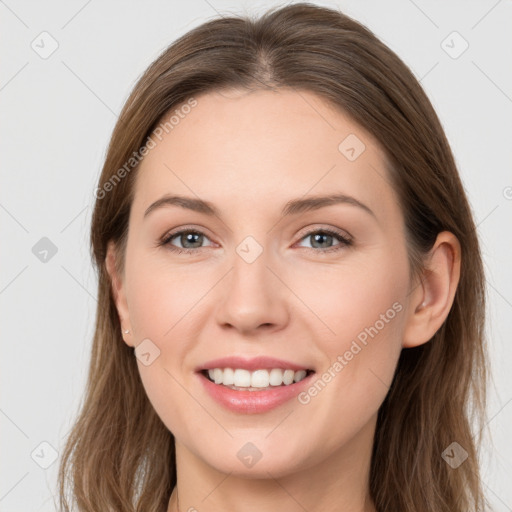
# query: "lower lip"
x,y
253,402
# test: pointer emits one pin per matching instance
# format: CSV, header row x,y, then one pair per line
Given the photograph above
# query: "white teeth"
x,y
288,377
241,378
260,379
276,377
228,377
217,376
299,375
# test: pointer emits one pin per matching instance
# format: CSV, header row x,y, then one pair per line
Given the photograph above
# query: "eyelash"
x,y
345,242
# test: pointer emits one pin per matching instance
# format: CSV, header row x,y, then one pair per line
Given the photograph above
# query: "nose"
x,y
253,296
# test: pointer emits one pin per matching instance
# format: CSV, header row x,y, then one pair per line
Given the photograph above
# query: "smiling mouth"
x,y
240,379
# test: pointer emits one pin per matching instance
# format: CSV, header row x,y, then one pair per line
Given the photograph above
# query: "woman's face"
x,y
267,276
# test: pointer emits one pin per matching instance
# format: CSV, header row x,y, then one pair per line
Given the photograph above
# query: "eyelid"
x,y
345,240
309,230
169,235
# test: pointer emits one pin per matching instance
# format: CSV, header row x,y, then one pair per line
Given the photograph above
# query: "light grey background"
x,y
57,115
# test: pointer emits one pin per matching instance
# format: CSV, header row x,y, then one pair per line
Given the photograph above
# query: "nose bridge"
x,y
252,295
250,265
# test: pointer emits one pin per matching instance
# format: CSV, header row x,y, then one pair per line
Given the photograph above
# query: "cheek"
x,y
164,303
340,301
162,298
364,311
355,379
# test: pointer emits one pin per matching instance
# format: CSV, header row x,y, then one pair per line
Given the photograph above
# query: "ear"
x,y
118,292
432,299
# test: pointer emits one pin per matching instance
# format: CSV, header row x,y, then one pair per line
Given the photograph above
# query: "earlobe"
x,y
118,292
433,297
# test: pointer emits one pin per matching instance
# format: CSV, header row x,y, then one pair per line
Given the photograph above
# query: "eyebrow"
x,y
292,207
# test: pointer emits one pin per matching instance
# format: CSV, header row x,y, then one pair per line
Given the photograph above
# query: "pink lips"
x,y
252,402
256,363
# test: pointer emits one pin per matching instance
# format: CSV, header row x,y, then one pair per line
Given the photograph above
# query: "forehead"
x,y
257,148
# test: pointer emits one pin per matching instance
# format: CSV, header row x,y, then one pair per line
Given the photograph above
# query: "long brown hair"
x,y
119,455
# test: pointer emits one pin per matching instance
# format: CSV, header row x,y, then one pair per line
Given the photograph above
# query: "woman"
x,y
291,293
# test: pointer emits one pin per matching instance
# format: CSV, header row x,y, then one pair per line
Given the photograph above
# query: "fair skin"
x,y
249,154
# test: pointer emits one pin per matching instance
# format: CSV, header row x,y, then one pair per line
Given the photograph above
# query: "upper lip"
x,y
255,363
